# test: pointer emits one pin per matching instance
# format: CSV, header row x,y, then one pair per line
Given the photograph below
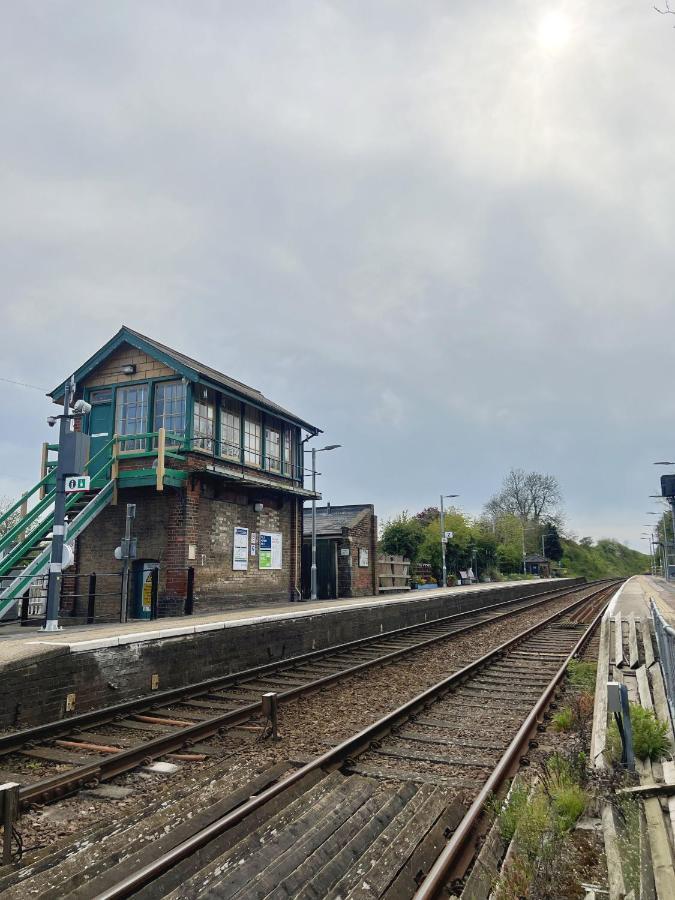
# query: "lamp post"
x,y
665,542
648,537
314,451
443,538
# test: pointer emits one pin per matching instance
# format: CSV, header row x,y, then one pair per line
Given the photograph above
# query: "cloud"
x,y
442,242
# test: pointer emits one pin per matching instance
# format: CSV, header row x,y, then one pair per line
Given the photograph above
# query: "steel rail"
x,y
115,764
336,757
14,740
459,850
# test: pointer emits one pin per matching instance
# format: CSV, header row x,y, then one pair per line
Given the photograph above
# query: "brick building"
x,y
215,470
346,551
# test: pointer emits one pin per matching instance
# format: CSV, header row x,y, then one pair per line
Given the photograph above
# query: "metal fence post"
x,y
190,597
91,604
665,641
9,794
154,584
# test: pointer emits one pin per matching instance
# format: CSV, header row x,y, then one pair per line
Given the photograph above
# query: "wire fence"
x,y
88,598
665,640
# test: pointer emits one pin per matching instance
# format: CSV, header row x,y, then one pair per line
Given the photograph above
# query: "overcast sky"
x,y
442,231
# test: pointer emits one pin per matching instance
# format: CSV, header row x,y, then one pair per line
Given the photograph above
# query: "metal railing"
x,y
665,641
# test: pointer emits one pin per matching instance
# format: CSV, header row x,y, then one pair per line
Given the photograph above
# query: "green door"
x,y
100,428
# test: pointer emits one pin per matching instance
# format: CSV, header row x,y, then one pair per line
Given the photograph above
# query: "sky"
x,y
440,231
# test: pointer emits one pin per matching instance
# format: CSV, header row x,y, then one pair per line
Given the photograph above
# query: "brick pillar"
x,y
373,554
182,530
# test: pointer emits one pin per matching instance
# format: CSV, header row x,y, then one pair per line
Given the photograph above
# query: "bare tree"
x,y
10,521
528,495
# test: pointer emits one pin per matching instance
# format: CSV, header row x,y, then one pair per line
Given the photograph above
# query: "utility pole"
x,y
313,586
55,576
443,545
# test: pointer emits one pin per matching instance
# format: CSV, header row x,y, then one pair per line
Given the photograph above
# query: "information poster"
x,y
270,550
363,557
240,549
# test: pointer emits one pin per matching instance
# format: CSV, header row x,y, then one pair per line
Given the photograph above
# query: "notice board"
x,y
270,550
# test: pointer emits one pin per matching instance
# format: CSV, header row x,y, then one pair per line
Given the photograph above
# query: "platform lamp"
x,y
648,537
314,451
444,540
665,536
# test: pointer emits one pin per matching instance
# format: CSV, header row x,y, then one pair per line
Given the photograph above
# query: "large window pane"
x,y
290,466
170,409
252,438
204,420
131,414
230,429
273,448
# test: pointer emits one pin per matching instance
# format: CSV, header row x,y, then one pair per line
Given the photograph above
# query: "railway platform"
x,y
46,676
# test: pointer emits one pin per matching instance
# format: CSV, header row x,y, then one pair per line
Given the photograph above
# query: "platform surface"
x,y
634,596
29,642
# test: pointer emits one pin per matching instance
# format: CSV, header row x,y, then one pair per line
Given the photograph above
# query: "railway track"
x,y
394,811
92,747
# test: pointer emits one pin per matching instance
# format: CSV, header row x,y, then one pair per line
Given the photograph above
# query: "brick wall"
x,y
34,690
110,370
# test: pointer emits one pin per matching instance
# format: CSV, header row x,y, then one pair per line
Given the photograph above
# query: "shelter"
x,y
346,551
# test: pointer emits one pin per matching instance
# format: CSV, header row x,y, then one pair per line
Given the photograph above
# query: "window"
x,y
230,429
204,419
131,414
102,396
170,408
289,452
273,448
252,437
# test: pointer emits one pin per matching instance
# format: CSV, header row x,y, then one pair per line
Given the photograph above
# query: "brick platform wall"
x,y
33,691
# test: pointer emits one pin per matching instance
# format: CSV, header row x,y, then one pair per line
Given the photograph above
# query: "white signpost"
x,y
76,483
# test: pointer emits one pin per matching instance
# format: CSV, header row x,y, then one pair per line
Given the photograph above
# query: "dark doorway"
x,y
326,569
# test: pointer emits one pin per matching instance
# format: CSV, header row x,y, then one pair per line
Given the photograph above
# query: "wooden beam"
x,y
647,642
633,655
161,448
619,658
115,468
43,468
643,688
599,730
617,888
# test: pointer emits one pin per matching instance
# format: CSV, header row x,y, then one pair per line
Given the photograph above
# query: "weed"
x,y
511,812
563,720
650,736
582,674
569,803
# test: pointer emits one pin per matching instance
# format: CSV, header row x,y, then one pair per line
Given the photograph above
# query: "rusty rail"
x,y
334,758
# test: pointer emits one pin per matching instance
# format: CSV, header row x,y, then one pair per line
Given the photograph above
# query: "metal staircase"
x,y
25,546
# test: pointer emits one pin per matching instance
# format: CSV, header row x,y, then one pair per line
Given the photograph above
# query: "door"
x,y
326,569
142,580
100,428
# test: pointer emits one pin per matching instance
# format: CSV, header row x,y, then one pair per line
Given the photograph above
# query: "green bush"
x,y
650,736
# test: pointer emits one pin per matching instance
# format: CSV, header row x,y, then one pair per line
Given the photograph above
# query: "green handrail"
x,y
11,560
27,520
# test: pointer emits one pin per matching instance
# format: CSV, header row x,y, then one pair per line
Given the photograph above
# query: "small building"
x,y
214,468
536,564
346,551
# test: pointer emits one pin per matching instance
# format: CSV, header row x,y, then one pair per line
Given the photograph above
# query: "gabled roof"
x,y
536,558
190,368
330,520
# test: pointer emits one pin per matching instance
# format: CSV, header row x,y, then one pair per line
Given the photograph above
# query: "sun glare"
x,y
554,31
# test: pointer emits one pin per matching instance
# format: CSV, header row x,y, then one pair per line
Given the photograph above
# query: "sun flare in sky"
x,y
553,31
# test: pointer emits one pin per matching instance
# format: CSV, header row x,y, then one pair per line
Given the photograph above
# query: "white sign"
x,y
363,557
270,555
75,483
254,543
449,535
240,549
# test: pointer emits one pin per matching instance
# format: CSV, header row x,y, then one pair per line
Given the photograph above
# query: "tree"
x,y
10,521
402,536
428,515
528,495
554,549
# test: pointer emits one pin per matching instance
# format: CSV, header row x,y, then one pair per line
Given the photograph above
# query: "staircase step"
x,y
336,868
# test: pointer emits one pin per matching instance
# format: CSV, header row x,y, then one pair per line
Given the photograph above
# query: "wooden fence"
x,y
393,573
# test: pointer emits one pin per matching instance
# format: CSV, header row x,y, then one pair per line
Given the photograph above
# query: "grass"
x,y
582,675
563,720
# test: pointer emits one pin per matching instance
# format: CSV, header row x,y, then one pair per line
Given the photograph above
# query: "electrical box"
x,y
73,453
613,697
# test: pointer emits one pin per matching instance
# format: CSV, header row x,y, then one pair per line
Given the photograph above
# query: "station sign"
x,y
75,483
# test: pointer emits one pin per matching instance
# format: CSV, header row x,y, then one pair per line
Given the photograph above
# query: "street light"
x,y
443,538
314,451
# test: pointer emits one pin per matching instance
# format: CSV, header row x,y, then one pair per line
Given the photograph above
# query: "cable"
x,y
23,384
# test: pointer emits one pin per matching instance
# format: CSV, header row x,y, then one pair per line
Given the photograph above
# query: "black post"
x,y
154,584
190,598
24,608
91,606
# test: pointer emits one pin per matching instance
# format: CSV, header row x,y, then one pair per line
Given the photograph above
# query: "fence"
x,y
393,573
96,597
665,640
